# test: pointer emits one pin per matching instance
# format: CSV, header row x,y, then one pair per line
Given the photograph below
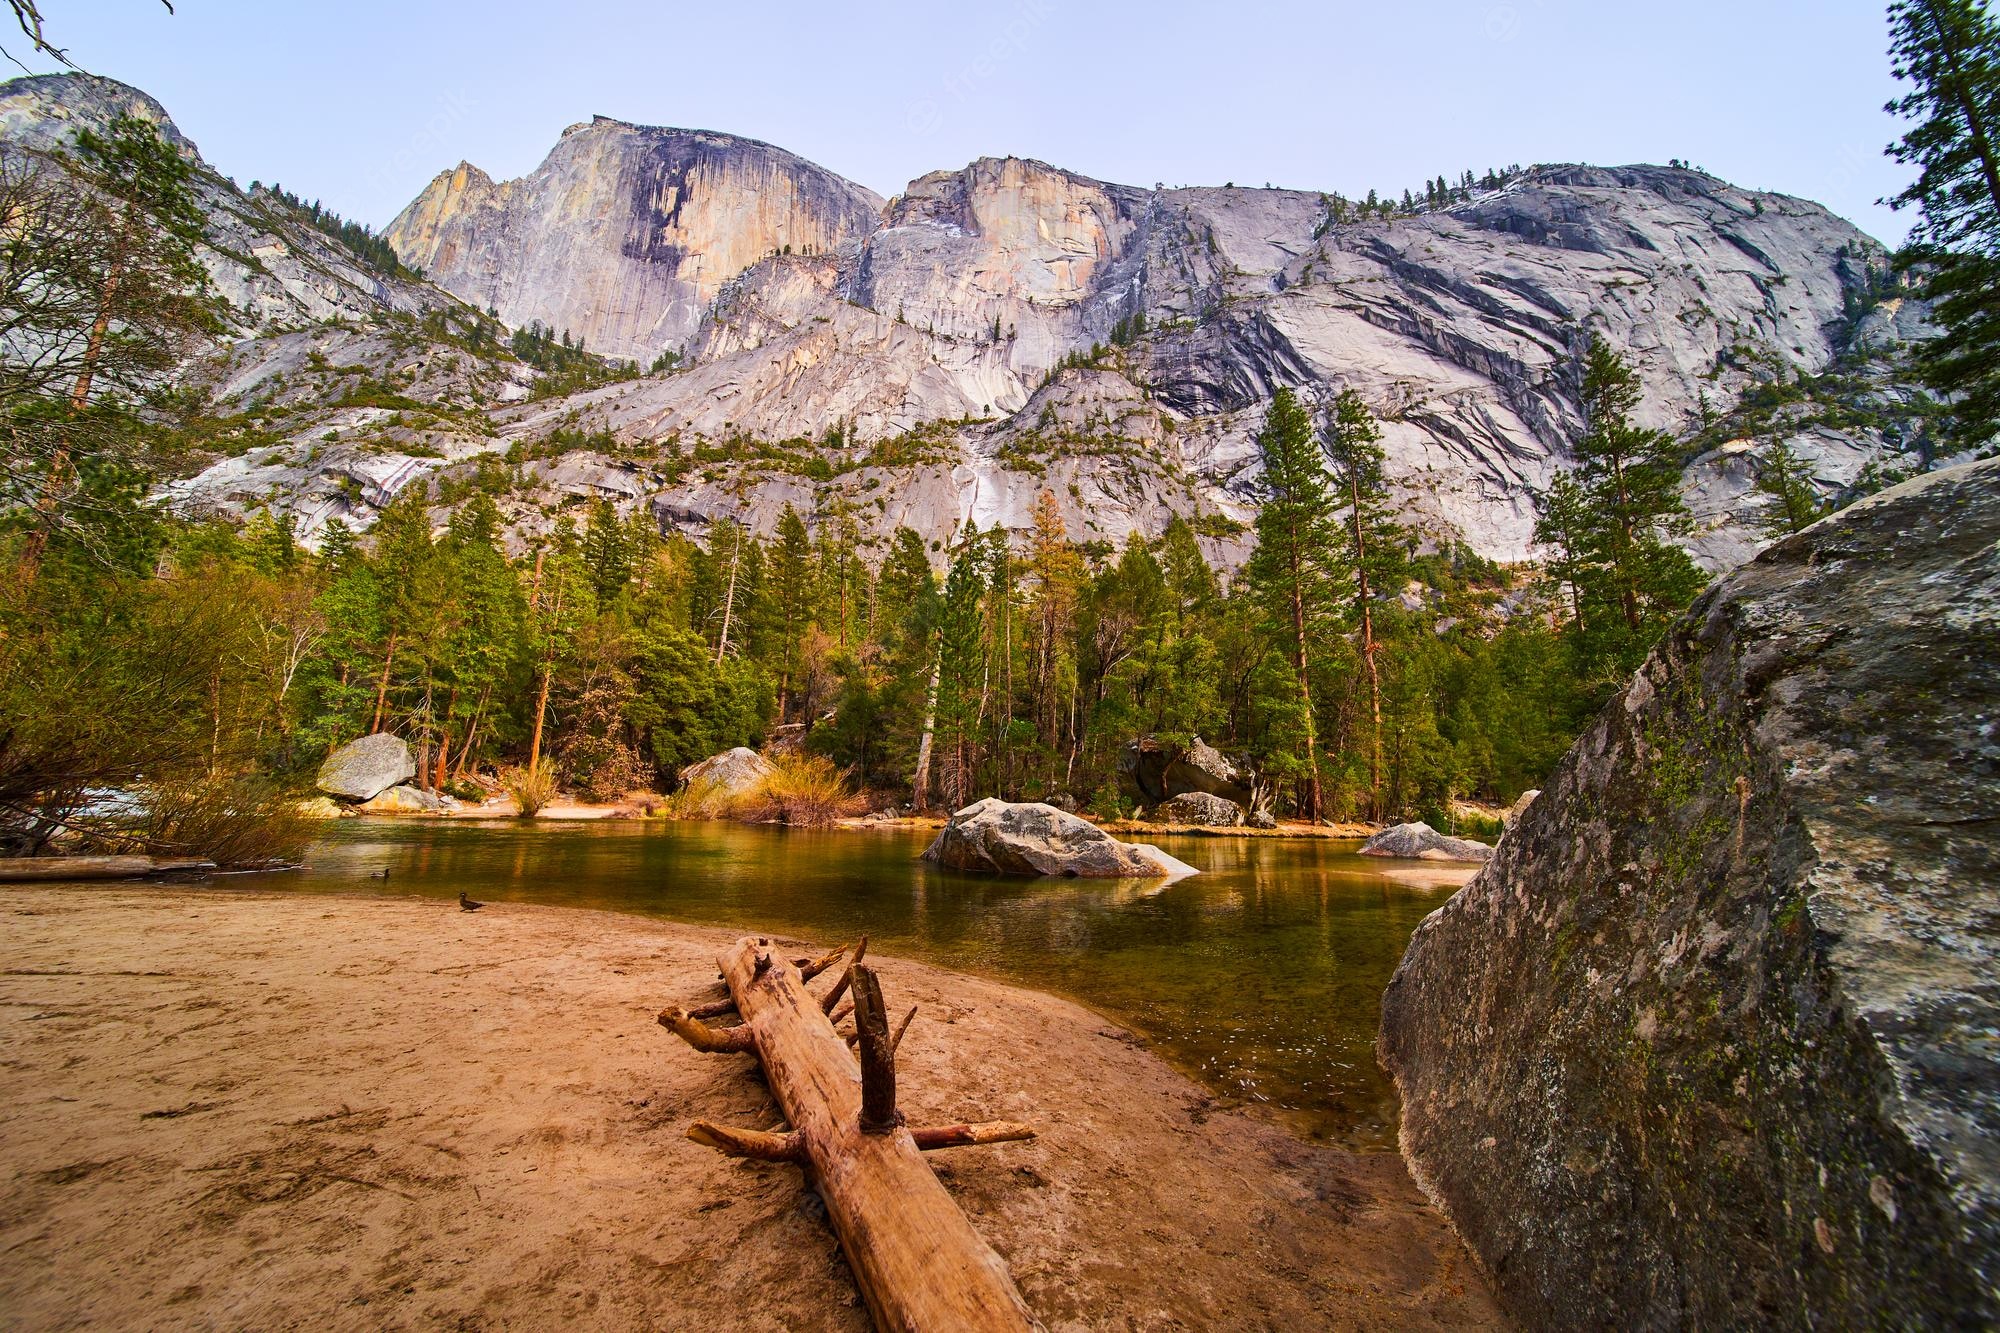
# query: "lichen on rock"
x,y
1709,1041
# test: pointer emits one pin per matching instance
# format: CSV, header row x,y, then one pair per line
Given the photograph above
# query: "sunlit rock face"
x,y
624,233
925,351
1709,1042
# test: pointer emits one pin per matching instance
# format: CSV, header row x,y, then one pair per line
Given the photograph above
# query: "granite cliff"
x,y
1709,1041
1009,328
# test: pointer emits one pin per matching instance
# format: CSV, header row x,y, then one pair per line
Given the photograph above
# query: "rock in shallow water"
x,y
1709,1042
1200,808
361,770
1030,838
1421,842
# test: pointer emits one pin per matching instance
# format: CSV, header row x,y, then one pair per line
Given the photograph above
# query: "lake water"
x,y
1261,977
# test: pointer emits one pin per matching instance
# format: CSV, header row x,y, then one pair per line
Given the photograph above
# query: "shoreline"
x,y
258,1108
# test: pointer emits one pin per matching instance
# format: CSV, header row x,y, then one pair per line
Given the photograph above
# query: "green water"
x,y
1261,977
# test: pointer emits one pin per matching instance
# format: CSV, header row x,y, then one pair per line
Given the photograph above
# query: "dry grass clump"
x,y
531,789
804,790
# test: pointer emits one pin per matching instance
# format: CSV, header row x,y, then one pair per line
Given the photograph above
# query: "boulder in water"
x,y
1421,842
406,801
361,770
1709,1042
1199,808
1029,838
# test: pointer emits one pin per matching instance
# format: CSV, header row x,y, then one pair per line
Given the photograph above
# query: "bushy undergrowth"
x,y
803,790
238,823
532,789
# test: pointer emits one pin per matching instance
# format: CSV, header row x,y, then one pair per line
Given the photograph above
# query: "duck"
x,y
466,904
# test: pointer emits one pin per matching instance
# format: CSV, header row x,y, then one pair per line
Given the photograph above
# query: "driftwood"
x,y
16,869
918,1261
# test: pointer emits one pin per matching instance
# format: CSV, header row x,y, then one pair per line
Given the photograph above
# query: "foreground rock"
x,y
1421,842
737,772
1029,838
1151,772
361,770
1709,1043
405,800
1199,808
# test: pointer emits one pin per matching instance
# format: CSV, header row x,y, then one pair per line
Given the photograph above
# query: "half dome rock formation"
x,y
1709,1042
1008,329
1028,838
625,233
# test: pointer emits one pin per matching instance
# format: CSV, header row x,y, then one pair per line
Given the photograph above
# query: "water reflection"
x,y
1262,976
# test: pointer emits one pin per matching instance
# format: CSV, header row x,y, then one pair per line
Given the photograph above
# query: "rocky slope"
x,y
1709,1042
1010,328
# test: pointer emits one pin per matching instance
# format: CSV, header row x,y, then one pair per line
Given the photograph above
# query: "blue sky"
x,y
359,103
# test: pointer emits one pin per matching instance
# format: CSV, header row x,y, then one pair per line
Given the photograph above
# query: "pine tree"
x,y
1782,476
1293,569
1354,445
1950,51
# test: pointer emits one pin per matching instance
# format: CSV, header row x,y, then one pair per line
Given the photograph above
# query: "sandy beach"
x,y
248,1109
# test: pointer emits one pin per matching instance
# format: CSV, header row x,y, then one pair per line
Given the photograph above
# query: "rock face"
x,y
625,233
1028,838
1709,1043
1421,842
917,360
404,800
1151,772
360,770
1198,807
737,772
1520,806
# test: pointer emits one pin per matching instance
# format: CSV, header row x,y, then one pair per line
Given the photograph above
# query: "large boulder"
x,y
1198,808
361,770
737,772
1150,772
1709,1042
1029,838
405,800
1421,842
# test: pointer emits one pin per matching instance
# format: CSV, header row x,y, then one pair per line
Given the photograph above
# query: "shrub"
x,y
238,823
532,789
806,791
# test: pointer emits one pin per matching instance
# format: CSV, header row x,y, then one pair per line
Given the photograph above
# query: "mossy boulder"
x,y
1709,1042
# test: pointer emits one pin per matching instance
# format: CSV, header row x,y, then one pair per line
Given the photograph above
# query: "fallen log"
x,y
919,1263
21,869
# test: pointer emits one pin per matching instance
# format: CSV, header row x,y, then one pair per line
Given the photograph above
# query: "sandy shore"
x,y
249,1110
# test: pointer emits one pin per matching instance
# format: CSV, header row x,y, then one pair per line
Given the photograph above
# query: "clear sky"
x,y
360,102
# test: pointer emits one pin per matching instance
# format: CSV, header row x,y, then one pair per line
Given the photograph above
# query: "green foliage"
x,y
362,242
1949,50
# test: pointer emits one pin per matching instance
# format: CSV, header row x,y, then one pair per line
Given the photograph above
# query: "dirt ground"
x,y
231,1109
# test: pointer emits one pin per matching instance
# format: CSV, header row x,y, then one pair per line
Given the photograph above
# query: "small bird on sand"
x,y
382,874
466,904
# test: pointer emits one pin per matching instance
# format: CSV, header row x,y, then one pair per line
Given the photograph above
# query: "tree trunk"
x,y
382,690
729,599
1313,800
920,786
1364,597
79,399
919,1263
